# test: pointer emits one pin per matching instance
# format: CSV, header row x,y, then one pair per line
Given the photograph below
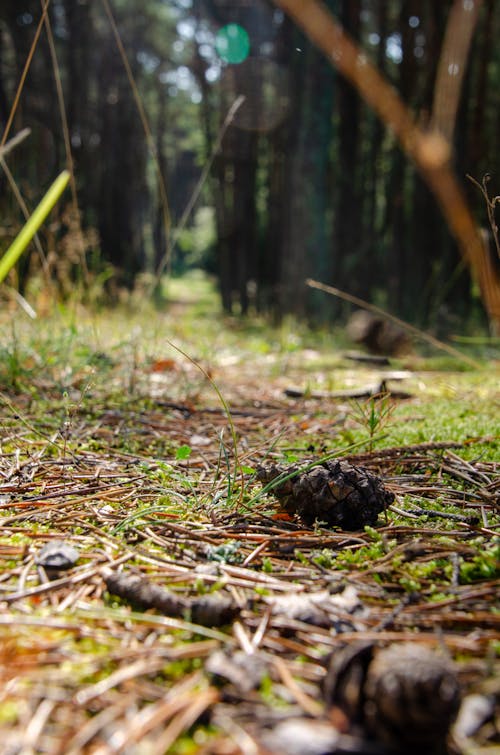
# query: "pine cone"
x,y
404,696
380,336
412,697
334,492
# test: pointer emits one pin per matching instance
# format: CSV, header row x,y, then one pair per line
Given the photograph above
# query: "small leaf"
x,y
183,452
164,365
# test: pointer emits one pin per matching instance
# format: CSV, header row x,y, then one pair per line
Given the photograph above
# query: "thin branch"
x,y
490,206
12,143
24,74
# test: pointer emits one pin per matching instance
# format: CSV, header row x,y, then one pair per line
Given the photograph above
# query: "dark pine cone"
x,y
404,696
334,492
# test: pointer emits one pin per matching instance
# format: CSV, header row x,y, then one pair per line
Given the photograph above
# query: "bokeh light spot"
x,y
232,43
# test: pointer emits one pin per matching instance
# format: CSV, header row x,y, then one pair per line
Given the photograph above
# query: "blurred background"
x,y
213,135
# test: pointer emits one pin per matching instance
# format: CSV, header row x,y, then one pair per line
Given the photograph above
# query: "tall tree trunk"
x,y
298,211
123,191
235,169
80,67
306,232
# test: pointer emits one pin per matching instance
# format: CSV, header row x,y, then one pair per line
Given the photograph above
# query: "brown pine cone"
x,y
334,492
412,697
404,696
379,335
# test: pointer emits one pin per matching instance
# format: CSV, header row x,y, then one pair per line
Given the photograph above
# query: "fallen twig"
x,y
207,610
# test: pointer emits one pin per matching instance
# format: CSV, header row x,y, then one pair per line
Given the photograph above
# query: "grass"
x,y
114,441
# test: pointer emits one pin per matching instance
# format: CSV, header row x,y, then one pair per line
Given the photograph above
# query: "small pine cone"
x,y
334,492
412,696
404,697
380,336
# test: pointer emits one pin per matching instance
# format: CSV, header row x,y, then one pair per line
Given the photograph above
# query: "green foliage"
x,y
301,557
9,711
268,693
362,556
196,243
15,367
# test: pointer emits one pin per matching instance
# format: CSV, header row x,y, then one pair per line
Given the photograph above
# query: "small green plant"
x,y
410,585
267,565
183,452
324,557
301,557
366,554
16,367
373,415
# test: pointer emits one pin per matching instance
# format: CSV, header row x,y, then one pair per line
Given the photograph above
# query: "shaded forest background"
x,y
307,182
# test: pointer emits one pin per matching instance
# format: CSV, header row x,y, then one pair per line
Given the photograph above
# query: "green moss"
x,y
485,565
363,556
325,558
9,711
267,565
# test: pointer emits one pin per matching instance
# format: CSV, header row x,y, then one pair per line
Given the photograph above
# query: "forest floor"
x,y
156,597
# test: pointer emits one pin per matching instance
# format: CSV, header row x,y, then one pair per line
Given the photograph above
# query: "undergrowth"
x,y
118,443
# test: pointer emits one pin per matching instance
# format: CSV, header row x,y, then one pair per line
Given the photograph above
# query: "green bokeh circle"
x,y
232,43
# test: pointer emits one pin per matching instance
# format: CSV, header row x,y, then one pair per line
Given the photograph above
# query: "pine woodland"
x,y
304,179
249,394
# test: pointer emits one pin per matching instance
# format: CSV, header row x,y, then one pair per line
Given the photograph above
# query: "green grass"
x,y
75,361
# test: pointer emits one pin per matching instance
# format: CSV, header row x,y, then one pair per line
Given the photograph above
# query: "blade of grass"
x,y
19,198
38,216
